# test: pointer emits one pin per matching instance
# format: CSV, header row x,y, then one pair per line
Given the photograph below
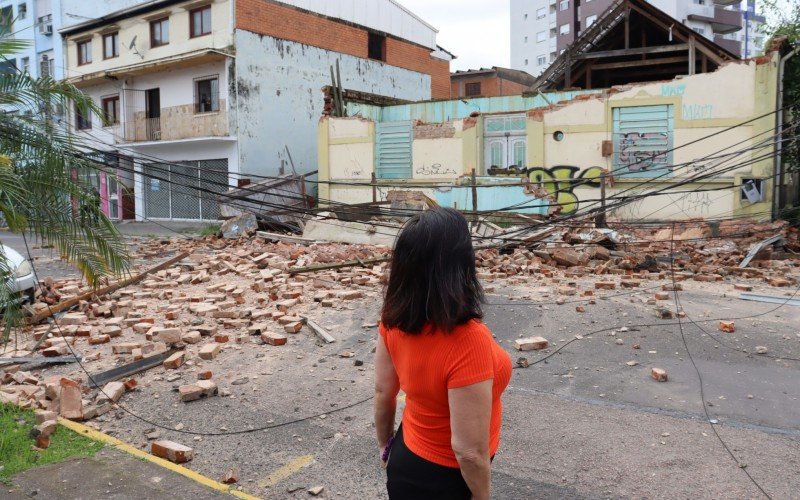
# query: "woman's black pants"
x,y
410,476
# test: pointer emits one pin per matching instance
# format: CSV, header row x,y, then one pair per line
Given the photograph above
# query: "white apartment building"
x,y
200,95
541,29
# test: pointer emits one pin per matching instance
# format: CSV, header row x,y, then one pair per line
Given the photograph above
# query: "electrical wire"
x,y
678,308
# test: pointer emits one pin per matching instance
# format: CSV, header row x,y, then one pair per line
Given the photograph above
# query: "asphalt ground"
x,y
582,424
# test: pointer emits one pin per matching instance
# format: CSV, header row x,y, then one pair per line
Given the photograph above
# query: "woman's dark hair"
x,y
432,279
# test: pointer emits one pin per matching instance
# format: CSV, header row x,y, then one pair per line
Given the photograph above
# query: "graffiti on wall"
x,y
697,111
642,151
673,90
690,111
561,180
434,169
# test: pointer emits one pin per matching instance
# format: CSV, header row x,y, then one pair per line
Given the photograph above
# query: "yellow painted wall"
x,y
709,110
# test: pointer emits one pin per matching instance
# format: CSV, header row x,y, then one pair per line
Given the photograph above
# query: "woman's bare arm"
x,y
470,416
387,385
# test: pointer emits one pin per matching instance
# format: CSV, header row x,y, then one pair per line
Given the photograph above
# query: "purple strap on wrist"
x,y
387,449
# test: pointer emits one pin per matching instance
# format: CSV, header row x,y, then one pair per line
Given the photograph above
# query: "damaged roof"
x,y
513,75
633,41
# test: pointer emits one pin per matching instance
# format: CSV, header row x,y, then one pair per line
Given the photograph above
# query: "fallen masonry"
x,y
215,299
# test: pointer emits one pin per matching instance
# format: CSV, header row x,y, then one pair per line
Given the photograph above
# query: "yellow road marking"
x,y
116,443
287,470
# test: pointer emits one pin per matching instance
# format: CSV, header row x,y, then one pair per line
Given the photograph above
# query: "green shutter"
x,y
643,138
393,150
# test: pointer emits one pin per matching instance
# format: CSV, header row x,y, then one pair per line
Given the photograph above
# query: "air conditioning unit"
x,y
46,28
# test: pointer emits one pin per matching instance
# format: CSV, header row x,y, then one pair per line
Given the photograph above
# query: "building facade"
x,y
489,82
542,29
688,146
199,96
34,20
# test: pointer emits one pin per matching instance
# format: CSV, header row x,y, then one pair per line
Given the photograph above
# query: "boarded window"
x,y
643,140
472,89
393,150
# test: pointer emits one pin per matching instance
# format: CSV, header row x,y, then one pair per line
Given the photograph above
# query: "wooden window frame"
x,y
103,102
472,85
79,118
192,33
159,22
82,61
196,82
115,42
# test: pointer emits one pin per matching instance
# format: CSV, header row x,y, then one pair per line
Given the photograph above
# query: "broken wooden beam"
x,y
284,237
337,265
66,304
319,331
120,372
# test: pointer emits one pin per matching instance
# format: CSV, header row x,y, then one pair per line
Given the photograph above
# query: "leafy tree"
x,y
783,19
39,193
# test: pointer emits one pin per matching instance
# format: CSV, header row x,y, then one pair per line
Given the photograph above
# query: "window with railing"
x,y
46,66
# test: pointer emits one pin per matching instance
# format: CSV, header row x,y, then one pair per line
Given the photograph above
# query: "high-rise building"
x,y
541,29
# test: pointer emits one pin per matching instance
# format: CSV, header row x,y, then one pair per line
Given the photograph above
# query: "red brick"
x,y
659,374
172,451
174,361
531,344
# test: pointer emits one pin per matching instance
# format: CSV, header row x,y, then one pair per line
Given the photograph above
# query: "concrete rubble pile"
x,y
241,292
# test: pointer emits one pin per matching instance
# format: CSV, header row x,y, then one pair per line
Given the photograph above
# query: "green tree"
x,y
39,193
783,20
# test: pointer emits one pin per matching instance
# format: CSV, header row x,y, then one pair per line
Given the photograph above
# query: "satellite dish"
x,y
132,47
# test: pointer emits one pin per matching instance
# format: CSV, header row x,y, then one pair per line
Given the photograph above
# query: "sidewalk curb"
x,y
183,471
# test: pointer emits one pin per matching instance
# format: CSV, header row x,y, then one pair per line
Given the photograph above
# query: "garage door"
x,y
184,190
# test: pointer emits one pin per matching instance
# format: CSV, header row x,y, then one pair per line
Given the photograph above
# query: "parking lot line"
x,y
287,470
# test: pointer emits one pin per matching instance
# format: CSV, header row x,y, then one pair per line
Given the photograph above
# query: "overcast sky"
x,y
477,31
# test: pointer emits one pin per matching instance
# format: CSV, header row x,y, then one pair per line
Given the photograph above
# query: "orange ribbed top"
x,y
428,364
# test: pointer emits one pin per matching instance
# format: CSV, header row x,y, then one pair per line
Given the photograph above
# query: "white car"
x,y
22,280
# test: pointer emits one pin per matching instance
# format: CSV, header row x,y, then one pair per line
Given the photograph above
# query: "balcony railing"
x,y
734,46
726,21
176,123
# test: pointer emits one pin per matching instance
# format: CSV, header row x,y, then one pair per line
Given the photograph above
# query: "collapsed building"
x,y
639,109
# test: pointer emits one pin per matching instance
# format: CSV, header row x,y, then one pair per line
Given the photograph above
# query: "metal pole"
x,y
474,196
373,182
600,220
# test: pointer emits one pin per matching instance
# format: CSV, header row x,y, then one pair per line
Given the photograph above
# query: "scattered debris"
x,y
658,374
727,326
172,451
531,344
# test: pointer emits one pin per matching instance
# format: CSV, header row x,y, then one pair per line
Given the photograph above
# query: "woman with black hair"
x,y
435,348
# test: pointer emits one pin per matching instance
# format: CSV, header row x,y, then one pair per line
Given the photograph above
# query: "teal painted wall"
x,y
456,109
